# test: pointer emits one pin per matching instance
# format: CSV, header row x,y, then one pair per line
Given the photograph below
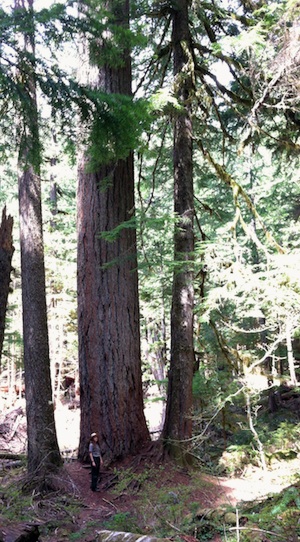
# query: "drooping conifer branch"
x,y
238,190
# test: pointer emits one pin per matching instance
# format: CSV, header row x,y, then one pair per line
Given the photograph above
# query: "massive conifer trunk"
x,y
108,310
43,451
178,423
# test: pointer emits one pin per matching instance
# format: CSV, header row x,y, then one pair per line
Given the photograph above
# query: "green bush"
x,y
234,460
122,521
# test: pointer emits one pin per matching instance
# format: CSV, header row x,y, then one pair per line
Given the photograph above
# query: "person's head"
x,y
94,437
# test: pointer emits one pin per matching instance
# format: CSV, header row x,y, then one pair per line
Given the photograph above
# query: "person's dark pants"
x,y
95,473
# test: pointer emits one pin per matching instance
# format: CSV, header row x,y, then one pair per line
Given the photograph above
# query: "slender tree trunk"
x,y
178,421
6,254
156,351
290,354
53,196
43,451
108,311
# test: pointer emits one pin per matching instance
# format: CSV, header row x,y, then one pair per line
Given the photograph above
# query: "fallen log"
x,y
19,532
120,536
12,457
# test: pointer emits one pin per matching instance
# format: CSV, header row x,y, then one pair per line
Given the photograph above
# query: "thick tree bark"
x,y
6,254
108,310
178,422
43,451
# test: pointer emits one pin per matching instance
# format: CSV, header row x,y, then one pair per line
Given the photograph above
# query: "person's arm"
x,y
91,458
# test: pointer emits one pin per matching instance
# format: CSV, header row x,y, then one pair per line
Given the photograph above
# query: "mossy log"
x,y
217,515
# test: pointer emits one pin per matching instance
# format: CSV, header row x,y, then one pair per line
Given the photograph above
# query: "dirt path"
x,y
210,492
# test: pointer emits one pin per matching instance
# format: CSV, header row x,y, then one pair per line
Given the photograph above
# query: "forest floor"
x,y
189,486
135,495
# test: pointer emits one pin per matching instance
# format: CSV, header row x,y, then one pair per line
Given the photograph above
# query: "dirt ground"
x,y
214,492
98,507
210,492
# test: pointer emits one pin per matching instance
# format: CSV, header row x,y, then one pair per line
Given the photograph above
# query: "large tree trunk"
x,y
43,451
108,311
6,253
178,421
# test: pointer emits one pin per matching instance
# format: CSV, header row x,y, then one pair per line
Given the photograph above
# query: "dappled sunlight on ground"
x,y
257,483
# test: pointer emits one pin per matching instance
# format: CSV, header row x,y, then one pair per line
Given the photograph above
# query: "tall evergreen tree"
x,y
108,308
178,421
43,451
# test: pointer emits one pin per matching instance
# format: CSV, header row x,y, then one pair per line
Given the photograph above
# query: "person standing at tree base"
x,y
96,460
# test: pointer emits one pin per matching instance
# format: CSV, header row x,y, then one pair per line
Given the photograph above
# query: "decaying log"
x,y
19,532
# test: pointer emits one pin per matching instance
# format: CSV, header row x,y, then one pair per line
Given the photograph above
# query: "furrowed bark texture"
x,y
6,254
178,424
108,310
43,451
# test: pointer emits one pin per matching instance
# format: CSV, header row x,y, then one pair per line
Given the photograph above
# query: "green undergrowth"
x,y
48,510
279,441
166,510
172,512
229,449
275,518
163,500
123,521
161,507
227,444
